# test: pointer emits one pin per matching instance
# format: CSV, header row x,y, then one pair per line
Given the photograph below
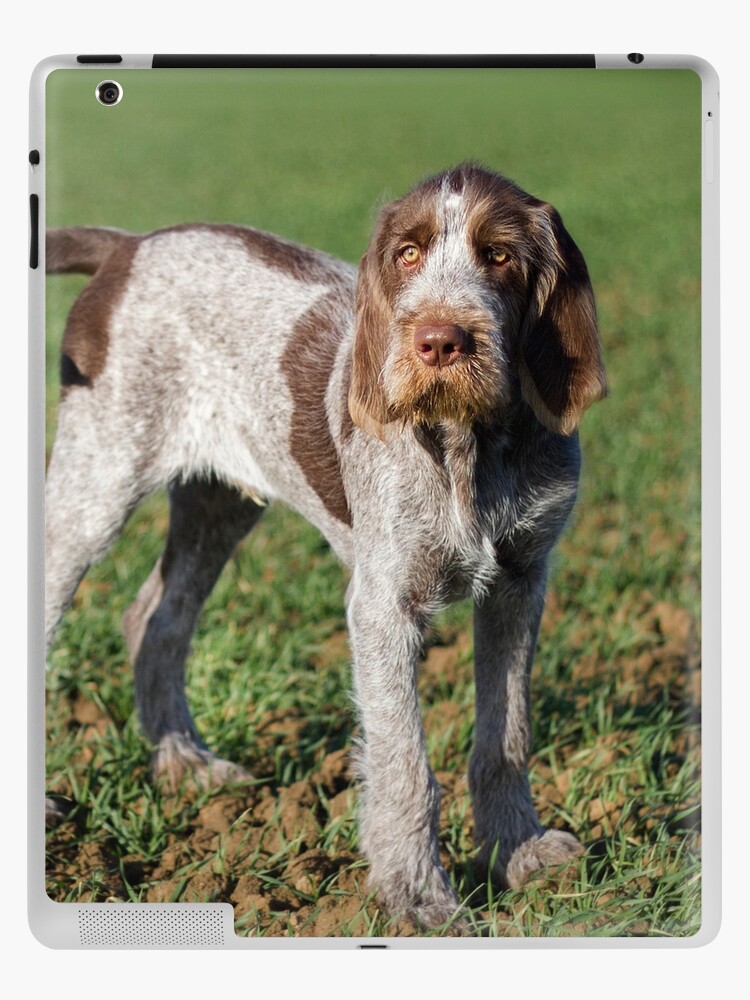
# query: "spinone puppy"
x,y
421,411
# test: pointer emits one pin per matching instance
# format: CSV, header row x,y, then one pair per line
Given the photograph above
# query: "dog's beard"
x,y
473,388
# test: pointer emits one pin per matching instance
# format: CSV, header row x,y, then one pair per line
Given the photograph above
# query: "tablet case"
x,y
625,719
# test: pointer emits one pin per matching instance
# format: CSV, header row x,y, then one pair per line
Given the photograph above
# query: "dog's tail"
x,y
82,249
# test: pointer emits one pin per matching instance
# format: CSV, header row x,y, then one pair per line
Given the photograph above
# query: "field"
x,y
617,679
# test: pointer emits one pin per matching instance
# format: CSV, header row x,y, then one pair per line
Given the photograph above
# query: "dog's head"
x,y
470,290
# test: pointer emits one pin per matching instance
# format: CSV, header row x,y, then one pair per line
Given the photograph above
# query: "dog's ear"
x,y
561,365
368,404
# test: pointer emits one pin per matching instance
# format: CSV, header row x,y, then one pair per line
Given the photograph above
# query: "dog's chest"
x,y
477,521
500,509
439,516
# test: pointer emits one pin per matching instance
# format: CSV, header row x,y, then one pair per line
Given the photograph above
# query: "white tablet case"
x,y
625,749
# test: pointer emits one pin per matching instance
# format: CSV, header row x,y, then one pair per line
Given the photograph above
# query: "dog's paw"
x,y
434,904
178,763
552,849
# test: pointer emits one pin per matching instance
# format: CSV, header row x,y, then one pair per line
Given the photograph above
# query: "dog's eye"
x,y
410,255
497,257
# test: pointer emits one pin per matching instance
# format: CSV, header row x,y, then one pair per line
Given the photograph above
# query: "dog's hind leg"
x,y
90,491
92,487
207,520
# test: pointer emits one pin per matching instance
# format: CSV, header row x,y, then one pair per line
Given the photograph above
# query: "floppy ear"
x,y
368,405
561,365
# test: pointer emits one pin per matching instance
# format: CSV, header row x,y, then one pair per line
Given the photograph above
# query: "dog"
x,y
421,411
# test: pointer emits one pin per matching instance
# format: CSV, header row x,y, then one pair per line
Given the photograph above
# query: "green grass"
x,y
617,675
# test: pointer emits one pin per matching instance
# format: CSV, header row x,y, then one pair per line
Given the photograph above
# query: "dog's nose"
x,y
440,345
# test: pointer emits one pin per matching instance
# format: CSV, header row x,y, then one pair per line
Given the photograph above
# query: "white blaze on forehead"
x,y
454,227
451,253
454,209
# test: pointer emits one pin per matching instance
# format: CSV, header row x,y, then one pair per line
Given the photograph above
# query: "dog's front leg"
x,y
506,826
400,798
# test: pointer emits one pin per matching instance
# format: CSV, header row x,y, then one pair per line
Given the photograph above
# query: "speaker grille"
x,y
134,925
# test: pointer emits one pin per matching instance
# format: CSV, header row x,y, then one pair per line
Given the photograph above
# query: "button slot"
x,y
34,247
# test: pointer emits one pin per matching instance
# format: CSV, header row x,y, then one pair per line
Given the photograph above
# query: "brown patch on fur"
x,y
86,338
306,364
297,261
